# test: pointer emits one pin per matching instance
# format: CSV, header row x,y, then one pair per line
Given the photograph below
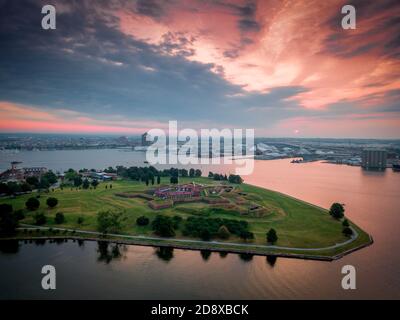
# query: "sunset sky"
x,y
285,68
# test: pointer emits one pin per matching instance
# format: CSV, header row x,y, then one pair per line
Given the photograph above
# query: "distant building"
x,y
145,143
374,159
18,174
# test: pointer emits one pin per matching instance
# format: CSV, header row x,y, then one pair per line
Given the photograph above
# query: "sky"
x,y
285,68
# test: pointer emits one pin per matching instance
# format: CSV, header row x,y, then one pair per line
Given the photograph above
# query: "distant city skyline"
x,y
285,68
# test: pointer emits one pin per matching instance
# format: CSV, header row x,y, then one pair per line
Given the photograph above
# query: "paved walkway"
x,y
232,244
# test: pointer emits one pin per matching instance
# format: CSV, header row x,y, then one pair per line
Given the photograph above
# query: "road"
x,y
337,245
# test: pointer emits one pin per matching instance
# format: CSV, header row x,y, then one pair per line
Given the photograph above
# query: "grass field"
x,y
297,223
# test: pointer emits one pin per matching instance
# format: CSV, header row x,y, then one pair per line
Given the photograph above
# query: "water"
x,y
90,271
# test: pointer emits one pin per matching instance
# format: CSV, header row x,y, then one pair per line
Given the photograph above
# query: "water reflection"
x,y
40,242
205,254
108,252
271,260
165,253
246,257
223,254
9,246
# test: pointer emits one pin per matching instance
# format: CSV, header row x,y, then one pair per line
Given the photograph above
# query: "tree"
x,y
337,210
205,235
174,180
95,183
191,173
108,221
163,226
345,223
32,204
223,232
347,231
142,221
246,235
52,202
8,221
272,237
85,184
59,218
33,181
39,218
50,177
210,174
77,181
19,214
233,178
80,220
158,179
197,173
44,183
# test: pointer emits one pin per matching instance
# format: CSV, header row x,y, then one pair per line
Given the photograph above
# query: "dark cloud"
x,y
378,25
151,8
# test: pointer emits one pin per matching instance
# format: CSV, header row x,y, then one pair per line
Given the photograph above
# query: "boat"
x,y
396,167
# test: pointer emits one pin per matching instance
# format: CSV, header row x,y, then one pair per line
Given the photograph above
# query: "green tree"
x,y
163,226
50,177
52,202
59,218
77,181
337,210
191,173
33,181
95,183
197,173
8,221
142,221
347,231
80,220
108,221
19,214
205,235
272,237
32,204
39,218
174,180
158,179
223,232
246,235
85,184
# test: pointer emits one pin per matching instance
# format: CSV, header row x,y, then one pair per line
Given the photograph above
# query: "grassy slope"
x,y
298,224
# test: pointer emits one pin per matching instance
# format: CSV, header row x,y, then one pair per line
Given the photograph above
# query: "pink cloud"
x,y
289,49
21,118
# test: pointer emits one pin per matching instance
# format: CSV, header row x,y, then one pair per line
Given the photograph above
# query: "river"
x,y
91,270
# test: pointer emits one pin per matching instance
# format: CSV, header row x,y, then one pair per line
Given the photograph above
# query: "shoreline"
x,y
169,243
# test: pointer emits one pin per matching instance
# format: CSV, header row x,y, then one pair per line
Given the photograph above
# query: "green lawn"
x,y
297,223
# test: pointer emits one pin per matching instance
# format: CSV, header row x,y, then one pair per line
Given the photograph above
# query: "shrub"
x,y
80,220
345,223
272,237
337,210
40,218
52,202
19,214
223,232
59,218
163,226
142,221
32,204
347,231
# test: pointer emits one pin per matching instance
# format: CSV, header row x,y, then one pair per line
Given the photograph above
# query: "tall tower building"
x,y
374,159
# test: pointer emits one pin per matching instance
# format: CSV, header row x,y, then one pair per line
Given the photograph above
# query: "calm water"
x,y
92,270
